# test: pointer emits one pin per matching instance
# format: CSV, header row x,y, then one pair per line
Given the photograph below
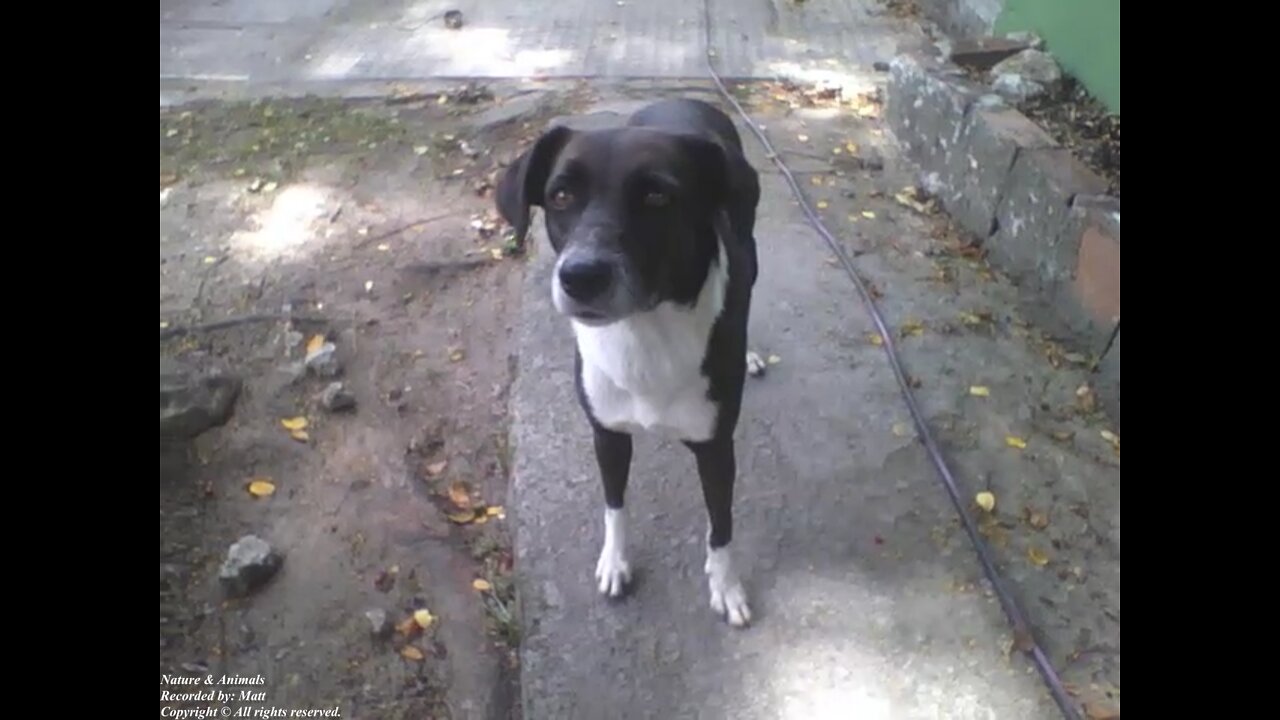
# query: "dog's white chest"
x,y
645,373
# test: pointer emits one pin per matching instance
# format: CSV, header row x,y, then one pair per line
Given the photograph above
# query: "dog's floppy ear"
x,y
520,187
715,180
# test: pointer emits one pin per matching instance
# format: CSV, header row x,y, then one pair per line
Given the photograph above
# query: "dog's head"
x,y
629,212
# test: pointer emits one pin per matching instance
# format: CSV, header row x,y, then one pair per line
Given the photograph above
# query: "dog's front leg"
x,y
613,454
717,469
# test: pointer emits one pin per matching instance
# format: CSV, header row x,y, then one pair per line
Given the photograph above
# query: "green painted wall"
x,y
1083,35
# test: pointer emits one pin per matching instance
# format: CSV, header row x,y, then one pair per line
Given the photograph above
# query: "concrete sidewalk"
x,y
868,598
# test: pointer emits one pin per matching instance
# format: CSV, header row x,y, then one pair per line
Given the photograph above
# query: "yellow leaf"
x,y
1111,437
969,318
460,494
822,204
383,247
1037,556
773,360
481,585
494,511
410,652
261,487
299,435
209,260
436,468
815,180
875,339
851,147
1014,441
297,423
462,518
424,618
979,390
481,519
456,355
495,253
837,151
313,345
868,215
986,501
912,327
901,429
802,138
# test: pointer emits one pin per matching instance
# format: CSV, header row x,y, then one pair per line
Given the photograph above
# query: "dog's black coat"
x,y
647,205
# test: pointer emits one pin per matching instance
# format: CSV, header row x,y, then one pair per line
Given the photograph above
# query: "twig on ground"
x,y
433,268
172,332
396,231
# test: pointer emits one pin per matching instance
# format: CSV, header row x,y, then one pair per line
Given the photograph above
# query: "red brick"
x,y
1097,276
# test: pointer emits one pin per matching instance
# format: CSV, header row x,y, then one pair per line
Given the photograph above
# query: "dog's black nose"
x,y
585,280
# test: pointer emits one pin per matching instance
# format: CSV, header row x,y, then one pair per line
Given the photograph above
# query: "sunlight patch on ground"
x,y
285,228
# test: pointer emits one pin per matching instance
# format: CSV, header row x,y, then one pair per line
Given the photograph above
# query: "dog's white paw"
x,y
613,572
728,599
755,364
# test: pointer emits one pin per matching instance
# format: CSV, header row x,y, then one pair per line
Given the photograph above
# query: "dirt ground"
x,y
370,226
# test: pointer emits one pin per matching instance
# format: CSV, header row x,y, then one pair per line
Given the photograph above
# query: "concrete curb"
x,y
1042,215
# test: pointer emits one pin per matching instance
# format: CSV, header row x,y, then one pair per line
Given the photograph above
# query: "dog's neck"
x,y
652,351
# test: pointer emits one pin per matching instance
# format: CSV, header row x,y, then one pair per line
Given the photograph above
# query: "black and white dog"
x,y
652,224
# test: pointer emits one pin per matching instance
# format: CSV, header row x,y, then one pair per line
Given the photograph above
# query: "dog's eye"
x,y
656,199
561,199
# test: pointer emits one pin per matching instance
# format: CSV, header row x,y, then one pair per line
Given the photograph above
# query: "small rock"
x,y
1016,88
1034,66
324,361
192,402
453,19
1028,38
335,398
293,339
250,563
880,66
379,623
520,107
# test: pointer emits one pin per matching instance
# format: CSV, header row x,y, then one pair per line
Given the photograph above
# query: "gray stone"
x,y
336,398
926,108
1034,66
250,563
1035,235
1016,88
981,172
379,623
523,107
1030,39
193,401
324,361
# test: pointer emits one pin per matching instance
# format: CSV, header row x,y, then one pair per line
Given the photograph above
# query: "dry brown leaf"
x,y
1014,441
481,585
408,627
462,518
1037,556
261,487
435,468
979,391
423,618
460,494
299,435
1098,711
986,500
410,652
480,519
1037,519
314,344
295,423
912,328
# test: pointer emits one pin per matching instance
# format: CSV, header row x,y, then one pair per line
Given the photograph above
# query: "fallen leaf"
x,y
408,627
412,653
419,149
460,494
495,253
851,147
299,435
435,468
1036,519
1111,437
295,423
802,138
815,180
980,391
461,518
1037,556
1014,441
261,487
495,511
773,360
481,585
209,260
1063,435
969,318
822,205
868,215
901,429
456,355
875,339
368,286
270,187
313,346
1098,711
383,247
986,501
423,618
912,328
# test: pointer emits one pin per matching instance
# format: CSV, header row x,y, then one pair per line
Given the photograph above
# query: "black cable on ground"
x,y
1023,637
